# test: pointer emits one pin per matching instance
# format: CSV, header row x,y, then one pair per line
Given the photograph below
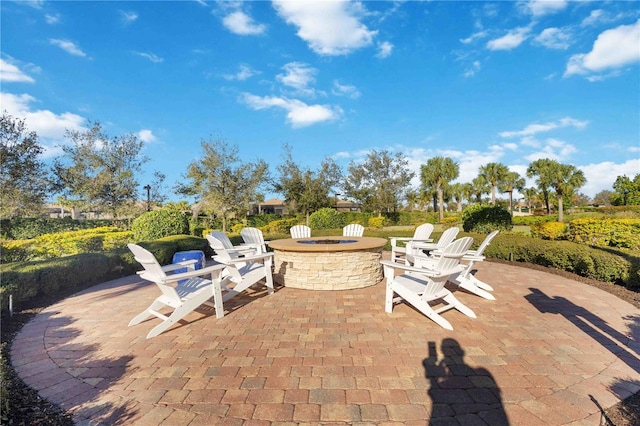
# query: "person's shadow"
x,y
459,393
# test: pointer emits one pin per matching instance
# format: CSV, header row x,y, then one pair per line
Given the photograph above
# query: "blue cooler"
x,y
181,256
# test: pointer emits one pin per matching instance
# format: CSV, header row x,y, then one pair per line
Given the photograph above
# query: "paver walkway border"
x,y
546,352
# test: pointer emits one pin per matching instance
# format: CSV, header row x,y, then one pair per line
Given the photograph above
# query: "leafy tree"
x,y
565,179
512,181
224,185
530,196
99,172
494,174
603,198
580,199
478,187
379,182
627,191
437,173
306,191
457,191
23,177
542,168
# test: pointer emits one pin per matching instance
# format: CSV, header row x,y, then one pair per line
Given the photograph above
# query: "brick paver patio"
x,y
548,351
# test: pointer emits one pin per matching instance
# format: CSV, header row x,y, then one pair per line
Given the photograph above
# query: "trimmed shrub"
x,y
549,230
27,280
32,227
158,224
624,233
279,226
484,219
61,244
326,218
607,265
376,222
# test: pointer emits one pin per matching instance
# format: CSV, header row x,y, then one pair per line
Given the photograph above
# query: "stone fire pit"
x,y
328,263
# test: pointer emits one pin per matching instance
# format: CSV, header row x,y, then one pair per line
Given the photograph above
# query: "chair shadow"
x,y
624,347
461,394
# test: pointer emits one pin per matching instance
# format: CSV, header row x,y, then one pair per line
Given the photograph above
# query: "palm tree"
x,y
512,181
494,174
542,169
565,179
531,196
457,191
438,172
478,187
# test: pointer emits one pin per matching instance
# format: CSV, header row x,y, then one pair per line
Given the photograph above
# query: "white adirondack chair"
x,y
184,292
420,235
466,279
300,231
253,237
241,272
423,287
353,230
423,249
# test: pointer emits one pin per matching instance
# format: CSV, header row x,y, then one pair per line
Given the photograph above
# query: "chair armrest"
x,y
424,271
190,274
178,265
250,258
408,268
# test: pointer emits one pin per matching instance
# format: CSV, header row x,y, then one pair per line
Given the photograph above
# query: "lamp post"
x,y
148,188
336,198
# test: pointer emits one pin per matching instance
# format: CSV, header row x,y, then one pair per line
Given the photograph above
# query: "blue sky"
x,y
480,82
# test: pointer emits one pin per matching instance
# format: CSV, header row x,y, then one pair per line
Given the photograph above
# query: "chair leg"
x,y
179,313
479,283
388,303
451,300
147,313
466,283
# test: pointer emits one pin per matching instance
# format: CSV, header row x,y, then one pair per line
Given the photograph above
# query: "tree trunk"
x,y
511,203
560,209
493,195
440,205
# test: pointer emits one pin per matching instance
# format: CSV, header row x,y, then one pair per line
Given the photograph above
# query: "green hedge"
x,y
623,233
59,244
32,227
602,264
27,280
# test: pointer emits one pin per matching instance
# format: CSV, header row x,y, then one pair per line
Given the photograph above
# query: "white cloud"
x,y
554,38
601,176
329,27
45,123
545,7
613,48
146,136
240,23
150,56
554,149
533,129
511,40
473,69
245,72
384,49
345,90
52,19
299,114
473,37
10,73
68,46
594,17
299,76
127,17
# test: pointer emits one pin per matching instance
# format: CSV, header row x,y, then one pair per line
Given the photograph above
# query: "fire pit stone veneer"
x,y
328,263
